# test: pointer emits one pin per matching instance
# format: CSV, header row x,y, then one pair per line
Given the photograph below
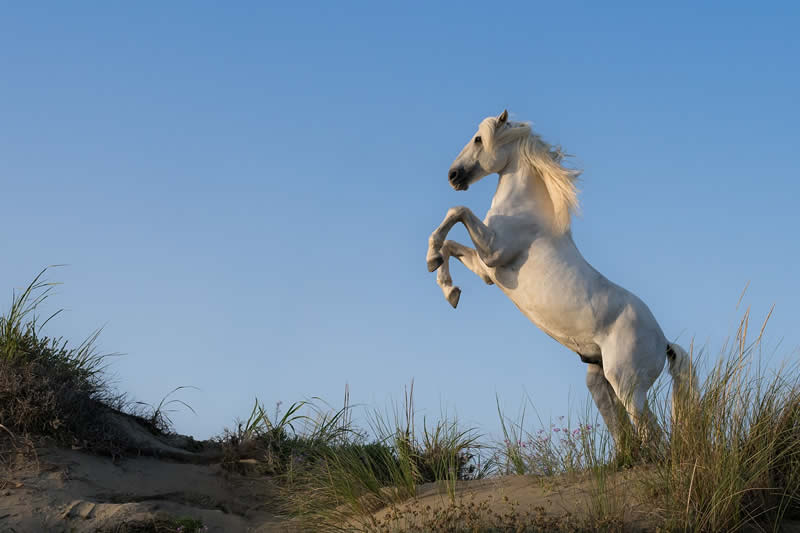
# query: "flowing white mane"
x,y
543,160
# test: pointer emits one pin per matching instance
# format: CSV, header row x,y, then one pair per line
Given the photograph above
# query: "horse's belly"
x,y
565,314
576,340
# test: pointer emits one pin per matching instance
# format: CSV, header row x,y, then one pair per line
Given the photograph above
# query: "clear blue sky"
x,y
244,192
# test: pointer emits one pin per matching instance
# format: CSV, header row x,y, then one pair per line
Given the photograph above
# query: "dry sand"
x,y
549,500
73,491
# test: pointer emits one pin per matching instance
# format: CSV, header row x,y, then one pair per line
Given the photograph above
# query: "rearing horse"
x,y
525,247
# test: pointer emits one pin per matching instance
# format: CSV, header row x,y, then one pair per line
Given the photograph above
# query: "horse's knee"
x,y
435,243
456,212
434,261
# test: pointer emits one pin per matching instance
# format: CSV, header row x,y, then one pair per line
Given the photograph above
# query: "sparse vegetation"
x,y
164,525
484,516
188,525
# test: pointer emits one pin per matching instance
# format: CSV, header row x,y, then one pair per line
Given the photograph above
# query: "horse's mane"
x,y
542,160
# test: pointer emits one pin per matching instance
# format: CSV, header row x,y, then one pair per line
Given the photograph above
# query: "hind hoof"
x,y
454,296
435,262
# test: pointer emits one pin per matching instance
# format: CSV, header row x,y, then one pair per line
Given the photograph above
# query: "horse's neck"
x,y
520,193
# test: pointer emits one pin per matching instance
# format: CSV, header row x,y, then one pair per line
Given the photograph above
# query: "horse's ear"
x,y
501,120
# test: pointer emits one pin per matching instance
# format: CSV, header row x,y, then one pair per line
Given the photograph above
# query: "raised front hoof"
x,y
435,262
453,296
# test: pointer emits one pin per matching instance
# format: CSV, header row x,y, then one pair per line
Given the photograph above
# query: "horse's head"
x,y
487,152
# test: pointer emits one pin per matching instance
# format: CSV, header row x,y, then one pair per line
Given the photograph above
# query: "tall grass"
x,y
733,454
21,338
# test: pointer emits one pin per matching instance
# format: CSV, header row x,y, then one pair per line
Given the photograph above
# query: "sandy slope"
x,y
550,500
67,490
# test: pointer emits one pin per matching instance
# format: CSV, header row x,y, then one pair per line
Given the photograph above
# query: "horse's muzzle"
x,y
458,179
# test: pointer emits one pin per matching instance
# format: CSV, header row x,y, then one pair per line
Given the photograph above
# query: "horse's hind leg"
x,y
607,402
631,364
633,395
469,257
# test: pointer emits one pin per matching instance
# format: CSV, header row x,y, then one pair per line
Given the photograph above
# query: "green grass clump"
x,y
333,472
51,389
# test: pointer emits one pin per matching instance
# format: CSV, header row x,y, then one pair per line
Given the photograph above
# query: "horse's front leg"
x,y
491,248
443,279
469,258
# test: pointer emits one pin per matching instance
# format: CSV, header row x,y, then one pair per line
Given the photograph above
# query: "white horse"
x,y
525,247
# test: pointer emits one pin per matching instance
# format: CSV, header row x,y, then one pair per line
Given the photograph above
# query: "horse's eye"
x,y
478,139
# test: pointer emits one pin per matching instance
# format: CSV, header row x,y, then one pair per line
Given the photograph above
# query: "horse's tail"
x,y
681,368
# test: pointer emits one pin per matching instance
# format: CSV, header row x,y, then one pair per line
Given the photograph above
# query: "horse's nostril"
x,y
453,174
